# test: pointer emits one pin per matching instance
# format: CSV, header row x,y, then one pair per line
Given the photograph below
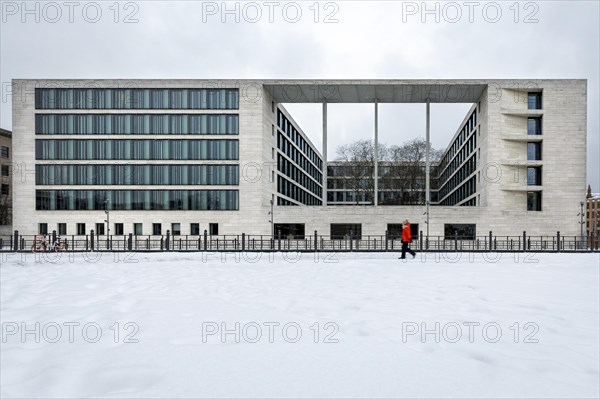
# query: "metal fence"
x,y
308,243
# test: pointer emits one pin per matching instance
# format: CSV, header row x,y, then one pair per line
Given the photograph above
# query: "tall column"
x,y
376,157
324,154
427,163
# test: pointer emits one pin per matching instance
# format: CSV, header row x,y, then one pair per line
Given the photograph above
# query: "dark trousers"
x,y
406,249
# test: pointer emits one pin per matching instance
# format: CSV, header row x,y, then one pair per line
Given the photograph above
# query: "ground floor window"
x,y
176,229
137,229
43,228
156,229
195,229
80,229
461,231
290,230
534,201
119,229
213,229
340,231
62,228
99,229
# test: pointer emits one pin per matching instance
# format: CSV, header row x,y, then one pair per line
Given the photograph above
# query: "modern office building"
x,y
7,168
218,155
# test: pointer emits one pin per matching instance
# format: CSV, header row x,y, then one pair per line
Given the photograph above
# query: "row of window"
x,y
136,174
136,124
295,192
136,149
149,200
93,98
285,146
467,189
296,174
467,129
458,178
137,229
463,154
295,137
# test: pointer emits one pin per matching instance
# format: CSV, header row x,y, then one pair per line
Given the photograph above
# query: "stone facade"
x,y
501,163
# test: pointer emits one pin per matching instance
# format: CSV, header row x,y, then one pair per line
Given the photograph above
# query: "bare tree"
x,y
406,173
358,158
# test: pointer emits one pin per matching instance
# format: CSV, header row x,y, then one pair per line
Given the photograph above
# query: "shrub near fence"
x,y
308,243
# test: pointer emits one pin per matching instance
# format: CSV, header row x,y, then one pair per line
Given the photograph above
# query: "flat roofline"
x,y
331,90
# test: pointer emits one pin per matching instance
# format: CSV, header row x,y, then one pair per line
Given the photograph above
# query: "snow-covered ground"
x,y
537,333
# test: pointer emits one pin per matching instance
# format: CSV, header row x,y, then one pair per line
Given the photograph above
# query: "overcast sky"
x,y
308,40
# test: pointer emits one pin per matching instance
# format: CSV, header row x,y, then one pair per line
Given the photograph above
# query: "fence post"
x,y
386,240
243,241
205,239
490,241
129,239
279,239
16,241
592,242
168,239
421,240
53,237
350,240
558,241
455,240
91,239
316,246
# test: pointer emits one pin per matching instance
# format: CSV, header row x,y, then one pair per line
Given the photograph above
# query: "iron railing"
x,y
311,243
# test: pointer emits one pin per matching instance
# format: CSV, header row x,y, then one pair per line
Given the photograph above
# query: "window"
x,y
100,229
289,230
534,100
213,229
272,153
62,229
273,130
534,126
118,229
80,229
43,228
195,229
534,201
461,231
4,152
137,229
534,176
5,170
176,229
342,230
534,151
273,106
5,189
156,229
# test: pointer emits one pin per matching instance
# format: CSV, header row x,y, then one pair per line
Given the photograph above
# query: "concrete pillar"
x,y
376,157
427,162
324,154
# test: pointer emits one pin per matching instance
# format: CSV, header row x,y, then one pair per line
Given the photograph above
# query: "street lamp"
x,y
271,221
107,220
581,214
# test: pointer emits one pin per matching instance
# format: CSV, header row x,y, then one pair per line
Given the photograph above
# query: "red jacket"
x,y
406,236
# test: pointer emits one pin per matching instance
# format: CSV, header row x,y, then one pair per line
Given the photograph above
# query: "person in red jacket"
x,y
406,239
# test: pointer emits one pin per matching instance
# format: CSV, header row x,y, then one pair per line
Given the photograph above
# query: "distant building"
x,y
593,213
6,176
